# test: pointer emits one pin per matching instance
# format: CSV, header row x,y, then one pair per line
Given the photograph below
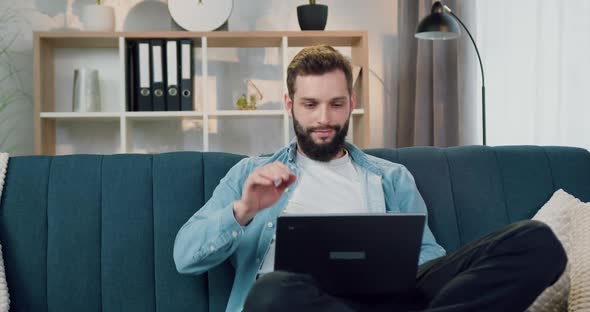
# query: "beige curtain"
x,y
432,105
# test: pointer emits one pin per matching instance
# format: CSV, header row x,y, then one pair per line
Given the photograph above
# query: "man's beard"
x,y
324,151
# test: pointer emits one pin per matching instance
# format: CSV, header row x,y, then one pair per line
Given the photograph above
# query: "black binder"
x,y
130,71
186,75
172,86
158,86
143,86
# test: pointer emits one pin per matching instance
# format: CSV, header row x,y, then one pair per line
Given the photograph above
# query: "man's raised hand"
x,y
263,187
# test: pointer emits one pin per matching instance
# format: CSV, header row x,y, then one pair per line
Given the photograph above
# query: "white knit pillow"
x,y
4,298
579,297
556,214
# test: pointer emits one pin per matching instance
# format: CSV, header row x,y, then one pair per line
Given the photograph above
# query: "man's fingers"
x,y
285,184
260,179
280,179
276,174
268,175
282,167
292,178
280,171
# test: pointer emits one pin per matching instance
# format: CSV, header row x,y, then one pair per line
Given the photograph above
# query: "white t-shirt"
x,y
322,188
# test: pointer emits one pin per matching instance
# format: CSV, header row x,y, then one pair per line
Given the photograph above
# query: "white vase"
x,y
98,17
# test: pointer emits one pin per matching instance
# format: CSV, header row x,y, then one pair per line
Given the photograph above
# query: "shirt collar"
x,y
292,150
357,155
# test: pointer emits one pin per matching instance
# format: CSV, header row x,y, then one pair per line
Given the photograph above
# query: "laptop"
x,y
352,254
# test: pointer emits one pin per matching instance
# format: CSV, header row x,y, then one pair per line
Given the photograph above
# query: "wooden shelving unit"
x,y
56,54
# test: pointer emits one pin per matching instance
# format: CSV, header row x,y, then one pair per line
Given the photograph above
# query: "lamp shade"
x,y
438,25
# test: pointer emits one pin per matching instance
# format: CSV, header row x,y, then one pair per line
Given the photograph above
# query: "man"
x,y
320,173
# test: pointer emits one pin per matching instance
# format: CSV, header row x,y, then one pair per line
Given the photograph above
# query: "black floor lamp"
x,y
440,26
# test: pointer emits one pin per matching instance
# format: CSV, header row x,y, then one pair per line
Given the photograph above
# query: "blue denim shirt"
x,y
213,235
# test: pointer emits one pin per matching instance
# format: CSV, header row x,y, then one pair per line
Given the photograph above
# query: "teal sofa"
x,y
95,233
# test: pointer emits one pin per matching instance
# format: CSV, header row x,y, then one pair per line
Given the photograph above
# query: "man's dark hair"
x,y
317,60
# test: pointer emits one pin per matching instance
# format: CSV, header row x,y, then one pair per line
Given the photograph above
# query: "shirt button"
x,y
287,190
257,259
269,224
234,233
212,248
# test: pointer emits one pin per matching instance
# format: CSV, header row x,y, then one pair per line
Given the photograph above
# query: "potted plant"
x,y
243,104
312,16
98,17
249,101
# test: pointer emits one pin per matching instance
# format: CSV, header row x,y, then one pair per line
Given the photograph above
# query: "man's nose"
x,y
324,115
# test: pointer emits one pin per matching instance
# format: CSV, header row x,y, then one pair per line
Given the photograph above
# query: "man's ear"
x,y
352,102
288,104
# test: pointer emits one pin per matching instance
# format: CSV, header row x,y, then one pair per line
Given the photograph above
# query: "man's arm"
x,y
212,234
411,201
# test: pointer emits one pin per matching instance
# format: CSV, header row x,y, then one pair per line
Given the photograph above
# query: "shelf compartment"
x,y
197,68
164,134
104,60
233,72
247,135
105,134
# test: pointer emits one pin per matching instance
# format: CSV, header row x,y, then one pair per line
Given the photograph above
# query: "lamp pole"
x,y
483,81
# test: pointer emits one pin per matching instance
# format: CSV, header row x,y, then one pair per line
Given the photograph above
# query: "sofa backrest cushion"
x,y
95,233
473,190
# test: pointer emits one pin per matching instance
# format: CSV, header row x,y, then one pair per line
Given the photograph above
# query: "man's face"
x,y
321,108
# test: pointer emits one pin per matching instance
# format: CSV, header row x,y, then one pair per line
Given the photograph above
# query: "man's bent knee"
x,y
546,250
279,291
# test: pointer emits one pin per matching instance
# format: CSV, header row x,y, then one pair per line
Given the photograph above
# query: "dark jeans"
x,y
503,271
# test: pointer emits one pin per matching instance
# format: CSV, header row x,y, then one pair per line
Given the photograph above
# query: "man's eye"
x,y
338,104
309,104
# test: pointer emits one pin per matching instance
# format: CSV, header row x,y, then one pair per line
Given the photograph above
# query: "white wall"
x,y
379,17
